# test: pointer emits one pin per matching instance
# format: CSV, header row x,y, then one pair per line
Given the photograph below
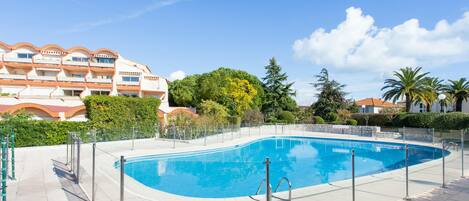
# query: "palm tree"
x,y
432,87
408,85
459,89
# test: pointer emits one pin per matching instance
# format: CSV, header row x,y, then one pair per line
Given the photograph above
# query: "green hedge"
x,y
120,112
42,132
454,120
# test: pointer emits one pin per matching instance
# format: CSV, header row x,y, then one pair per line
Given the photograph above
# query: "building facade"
x,y
374,105
436,107
51,81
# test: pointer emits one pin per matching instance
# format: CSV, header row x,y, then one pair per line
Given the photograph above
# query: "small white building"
x,y
374,105
436,107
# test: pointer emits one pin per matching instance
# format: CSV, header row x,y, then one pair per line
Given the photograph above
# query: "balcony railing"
x,y
75,63
48,78
16,59
72,79
128,83
12,76
108,65
99,80
47,61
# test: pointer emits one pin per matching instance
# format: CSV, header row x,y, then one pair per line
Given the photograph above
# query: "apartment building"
x,y
51,81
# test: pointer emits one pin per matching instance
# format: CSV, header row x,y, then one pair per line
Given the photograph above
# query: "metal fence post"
x,y
353,174
173,129
78,161
267,180
93,173
443,185
205,135
462,153
13,175
133,137
68,142
72,154
4,170
406,172
403,133
122,163
433,135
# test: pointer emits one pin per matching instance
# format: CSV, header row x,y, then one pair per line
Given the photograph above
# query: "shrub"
x,y
217,112
351,122
253,117
119,112
318,120
286,117
454,120
418,120
331,117
374,119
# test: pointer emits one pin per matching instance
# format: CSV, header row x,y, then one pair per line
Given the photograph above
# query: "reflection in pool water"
x,y
237,171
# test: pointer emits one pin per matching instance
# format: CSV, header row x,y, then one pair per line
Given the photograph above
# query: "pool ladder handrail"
x,y
259,189
453,145
276,188
289,187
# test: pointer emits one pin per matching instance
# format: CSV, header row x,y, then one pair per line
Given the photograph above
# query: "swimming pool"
x,y
237,171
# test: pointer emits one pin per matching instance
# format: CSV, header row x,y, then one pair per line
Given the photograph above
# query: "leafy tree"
x,y
286,117
182,92
304,115
278,91
432,87
253,117
240,95
459,90
409,84
331,96
217,112
353,107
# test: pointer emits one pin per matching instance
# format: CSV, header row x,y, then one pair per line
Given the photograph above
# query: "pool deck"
x,y
41,174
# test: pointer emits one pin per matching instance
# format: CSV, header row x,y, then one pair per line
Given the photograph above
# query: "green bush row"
x,y
453,120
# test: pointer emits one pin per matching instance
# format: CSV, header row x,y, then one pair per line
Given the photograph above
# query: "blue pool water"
x,y
237,171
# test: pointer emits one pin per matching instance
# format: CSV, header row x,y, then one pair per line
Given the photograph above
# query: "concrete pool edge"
x,y
140,190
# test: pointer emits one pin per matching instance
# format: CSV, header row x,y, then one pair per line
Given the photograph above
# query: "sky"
x,y
361,43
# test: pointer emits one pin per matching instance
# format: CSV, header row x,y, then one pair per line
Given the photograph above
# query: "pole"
x,y
406,172
403,133
93,174
462,153
174,136
205,135
353,174
13,175
133,137
72,154
68,142
122,161
4,170
78,161
433,135
267,179
443,185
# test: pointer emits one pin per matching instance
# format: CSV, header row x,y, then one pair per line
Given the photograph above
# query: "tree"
x,y
432,87
409,85
331,96
216,112
182,92
459,90
278,91
239,94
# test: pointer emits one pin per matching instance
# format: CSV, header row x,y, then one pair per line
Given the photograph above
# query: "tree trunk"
x,y
429,107
407,103
459,104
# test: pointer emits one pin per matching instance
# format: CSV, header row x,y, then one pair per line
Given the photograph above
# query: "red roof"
x,y
375,102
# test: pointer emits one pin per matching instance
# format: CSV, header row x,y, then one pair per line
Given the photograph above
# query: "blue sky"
x,y
360,42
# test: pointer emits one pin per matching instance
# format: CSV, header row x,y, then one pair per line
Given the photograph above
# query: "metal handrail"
x,y
289,187
453,145
259,189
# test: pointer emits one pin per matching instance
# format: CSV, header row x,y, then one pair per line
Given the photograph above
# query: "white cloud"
x,y
177,75
358,44
305,92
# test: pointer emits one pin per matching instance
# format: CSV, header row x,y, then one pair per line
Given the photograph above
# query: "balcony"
x,y
98,80
71,79
106,65
47,61
128,83
13,76
16,59
46,78
75,63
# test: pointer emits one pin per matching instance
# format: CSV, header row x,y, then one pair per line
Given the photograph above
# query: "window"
x,y
72,92
130,79
105,60
25,55
79,59
129,95
421,108
77,75
100,92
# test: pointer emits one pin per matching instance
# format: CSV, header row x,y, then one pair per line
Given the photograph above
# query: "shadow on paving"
x,y
67,181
